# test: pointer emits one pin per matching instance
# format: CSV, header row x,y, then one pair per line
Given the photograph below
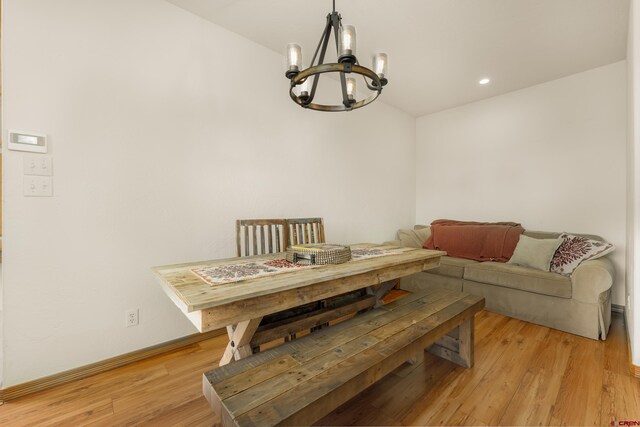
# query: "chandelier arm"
x,y
325,34
335,22
343,84
323,51
370,86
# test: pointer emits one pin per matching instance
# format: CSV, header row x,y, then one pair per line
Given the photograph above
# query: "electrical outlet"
x,y
132,317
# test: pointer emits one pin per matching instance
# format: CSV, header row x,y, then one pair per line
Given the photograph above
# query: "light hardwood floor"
x,y
524,375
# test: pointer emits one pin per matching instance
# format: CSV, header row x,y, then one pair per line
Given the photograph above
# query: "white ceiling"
x,y
439,49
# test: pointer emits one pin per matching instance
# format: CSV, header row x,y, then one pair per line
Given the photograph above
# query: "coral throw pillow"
x,y
575,249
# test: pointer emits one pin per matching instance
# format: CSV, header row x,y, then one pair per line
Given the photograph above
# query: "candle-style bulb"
x,y
347,44
380,61
294,59
351,88
305,88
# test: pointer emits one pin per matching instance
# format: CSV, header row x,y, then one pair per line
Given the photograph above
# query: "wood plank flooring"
x,y
524,375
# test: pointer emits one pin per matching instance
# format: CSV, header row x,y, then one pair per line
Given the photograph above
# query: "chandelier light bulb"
x,y
347,44
380,62
305,88
351,88
294,58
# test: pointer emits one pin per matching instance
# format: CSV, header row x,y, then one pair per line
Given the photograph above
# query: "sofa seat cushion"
x,y
452,267
518,277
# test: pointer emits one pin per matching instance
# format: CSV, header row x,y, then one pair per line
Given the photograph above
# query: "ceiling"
x,y
439,49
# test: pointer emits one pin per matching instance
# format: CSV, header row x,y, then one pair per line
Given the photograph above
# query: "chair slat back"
x,y
261,236
305,230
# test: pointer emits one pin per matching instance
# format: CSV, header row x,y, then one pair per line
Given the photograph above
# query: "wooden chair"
x,y
264,236
305,230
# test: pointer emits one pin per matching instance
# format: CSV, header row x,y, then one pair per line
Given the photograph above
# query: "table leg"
x,y
380,293
240,340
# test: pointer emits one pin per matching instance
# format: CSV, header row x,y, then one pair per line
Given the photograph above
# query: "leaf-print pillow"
x,y
575,249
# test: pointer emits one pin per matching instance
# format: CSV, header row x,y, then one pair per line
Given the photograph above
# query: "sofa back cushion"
x,y
553,235
414,238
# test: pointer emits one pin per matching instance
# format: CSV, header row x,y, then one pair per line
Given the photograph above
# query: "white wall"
x,y
633,176
551,157
164,129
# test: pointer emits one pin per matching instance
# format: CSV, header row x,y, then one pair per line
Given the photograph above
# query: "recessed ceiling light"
x,y
484,81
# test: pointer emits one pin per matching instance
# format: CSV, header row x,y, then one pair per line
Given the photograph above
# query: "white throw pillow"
x,y
575,249
535,253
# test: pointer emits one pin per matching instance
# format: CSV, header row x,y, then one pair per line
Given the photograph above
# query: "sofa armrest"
x,y
592,278
393,243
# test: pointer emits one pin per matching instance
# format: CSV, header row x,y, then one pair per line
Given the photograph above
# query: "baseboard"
x,y
75,374
634,370
617,308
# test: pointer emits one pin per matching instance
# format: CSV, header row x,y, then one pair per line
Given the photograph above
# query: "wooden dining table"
x,y
240,306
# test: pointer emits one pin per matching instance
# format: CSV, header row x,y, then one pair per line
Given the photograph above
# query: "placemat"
x,y
230,273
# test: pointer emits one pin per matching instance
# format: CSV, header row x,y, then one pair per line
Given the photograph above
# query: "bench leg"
x,y
467,336
240,336
457,350
418,358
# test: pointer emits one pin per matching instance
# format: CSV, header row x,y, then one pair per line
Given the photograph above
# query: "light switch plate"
x,y
37,186
37,165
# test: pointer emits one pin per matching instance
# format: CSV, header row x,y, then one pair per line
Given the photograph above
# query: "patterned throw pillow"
x,y
575,249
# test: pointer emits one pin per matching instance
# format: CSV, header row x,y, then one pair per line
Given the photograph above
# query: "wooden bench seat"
x,y
301,381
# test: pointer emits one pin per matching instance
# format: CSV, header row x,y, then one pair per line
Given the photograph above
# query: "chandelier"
x,y
304,82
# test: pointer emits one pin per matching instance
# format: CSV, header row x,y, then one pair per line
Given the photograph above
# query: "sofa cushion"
x,y
518,277
413,238
452,267
574,250
554,235
535,253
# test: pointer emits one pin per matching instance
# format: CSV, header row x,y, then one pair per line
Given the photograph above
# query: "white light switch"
x,y
38,165
37,186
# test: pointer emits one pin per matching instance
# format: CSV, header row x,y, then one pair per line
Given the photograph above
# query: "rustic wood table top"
x,y
240,306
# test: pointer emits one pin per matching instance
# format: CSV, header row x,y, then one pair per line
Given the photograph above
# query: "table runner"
x,y
230,273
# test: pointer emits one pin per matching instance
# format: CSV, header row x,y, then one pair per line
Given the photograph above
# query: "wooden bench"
x,y
301,381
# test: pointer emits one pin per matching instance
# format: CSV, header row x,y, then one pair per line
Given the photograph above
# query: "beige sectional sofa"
x,y
579,304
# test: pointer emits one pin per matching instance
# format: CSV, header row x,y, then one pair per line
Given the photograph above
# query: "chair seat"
x,y
517,277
